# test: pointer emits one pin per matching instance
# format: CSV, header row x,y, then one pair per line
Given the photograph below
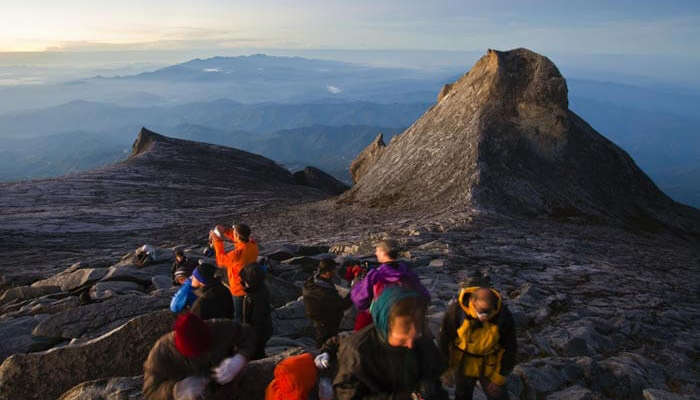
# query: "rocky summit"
x,y
599,268
502,138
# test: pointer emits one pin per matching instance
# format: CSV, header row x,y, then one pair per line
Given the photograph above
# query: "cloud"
x,y
334,89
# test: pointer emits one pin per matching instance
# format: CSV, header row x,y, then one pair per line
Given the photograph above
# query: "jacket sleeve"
x,y
223,258
156,385
182,297
448,330
361,294
509,341
350,384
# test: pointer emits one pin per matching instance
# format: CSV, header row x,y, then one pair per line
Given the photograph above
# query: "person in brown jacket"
x,y
197,358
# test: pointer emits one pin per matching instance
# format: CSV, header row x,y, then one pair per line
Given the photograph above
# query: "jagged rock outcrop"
x,y
117,353
367,158
315,178
502,138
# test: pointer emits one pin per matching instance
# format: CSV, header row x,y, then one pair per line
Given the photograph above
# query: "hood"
x,y
468,308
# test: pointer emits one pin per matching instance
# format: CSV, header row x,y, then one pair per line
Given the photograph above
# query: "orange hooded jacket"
x,y
243,254
294,378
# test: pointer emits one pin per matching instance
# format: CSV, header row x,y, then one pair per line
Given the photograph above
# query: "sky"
x,y
638,27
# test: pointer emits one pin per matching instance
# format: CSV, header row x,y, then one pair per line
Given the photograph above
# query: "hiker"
x,y
390,272
478,338
182,268
391,358
245,252
213,298
294,378
184,297
323,304
198,357
257,310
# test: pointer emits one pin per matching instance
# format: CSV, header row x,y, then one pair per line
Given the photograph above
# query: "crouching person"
x,y
391,359
478,338
198,358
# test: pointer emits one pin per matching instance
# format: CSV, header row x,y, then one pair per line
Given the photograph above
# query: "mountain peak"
x,y
501,138
144,141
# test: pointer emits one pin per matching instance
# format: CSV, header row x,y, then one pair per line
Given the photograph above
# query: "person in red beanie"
x,y
179,366
294,378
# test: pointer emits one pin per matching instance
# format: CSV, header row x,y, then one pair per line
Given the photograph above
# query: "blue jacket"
x,y
184,297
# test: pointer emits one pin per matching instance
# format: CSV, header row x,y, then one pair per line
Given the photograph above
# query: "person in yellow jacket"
x,y
478,338
245,252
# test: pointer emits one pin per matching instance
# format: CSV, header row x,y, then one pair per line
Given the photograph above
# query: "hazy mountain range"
x,y
302,111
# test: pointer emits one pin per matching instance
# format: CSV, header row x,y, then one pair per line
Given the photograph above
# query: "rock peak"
x,y
501,138
144,141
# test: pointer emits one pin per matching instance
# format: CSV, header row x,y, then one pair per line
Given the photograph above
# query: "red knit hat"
x,y
192,335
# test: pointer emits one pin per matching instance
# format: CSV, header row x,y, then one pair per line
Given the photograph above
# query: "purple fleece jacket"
x,y
387,274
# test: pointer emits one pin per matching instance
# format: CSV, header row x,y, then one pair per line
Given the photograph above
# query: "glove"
x,y
190,388
322,360
325,389
228,369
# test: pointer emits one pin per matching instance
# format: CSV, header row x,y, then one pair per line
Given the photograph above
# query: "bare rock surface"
x,y
49,374
502,138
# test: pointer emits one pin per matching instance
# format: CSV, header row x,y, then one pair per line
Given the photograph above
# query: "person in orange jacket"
x,y
245,252
294,378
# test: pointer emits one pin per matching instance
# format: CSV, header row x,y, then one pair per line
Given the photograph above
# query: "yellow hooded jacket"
x,y
476,350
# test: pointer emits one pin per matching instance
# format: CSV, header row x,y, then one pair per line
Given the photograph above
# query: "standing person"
x,y
257,310
182,268
478,337
323,304
245,252
391,359
197,358
213,299
391,272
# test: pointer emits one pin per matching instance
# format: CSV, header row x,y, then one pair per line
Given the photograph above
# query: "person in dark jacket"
x,y
257,310
391,358
182,268
478,338
323,304
198,358
213,298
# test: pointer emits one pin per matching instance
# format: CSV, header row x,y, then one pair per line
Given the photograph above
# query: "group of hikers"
x,y
391,354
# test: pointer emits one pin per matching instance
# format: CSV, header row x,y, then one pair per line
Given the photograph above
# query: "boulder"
x,y
130,274
633,373
575,392
75,279
48,374
290,320
161,282
93,319
16,334
105,290
281,291
27,292
656,394
120,388
367,158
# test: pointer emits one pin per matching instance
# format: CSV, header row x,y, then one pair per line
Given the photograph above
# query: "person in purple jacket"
x,y
389,273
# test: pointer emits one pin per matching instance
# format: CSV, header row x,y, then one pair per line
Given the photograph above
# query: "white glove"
x,y
322,360
325,389
217,233
228,369
190,388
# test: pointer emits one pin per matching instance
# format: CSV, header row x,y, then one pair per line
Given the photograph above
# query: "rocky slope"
x,y
604,310
502,138
167,190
